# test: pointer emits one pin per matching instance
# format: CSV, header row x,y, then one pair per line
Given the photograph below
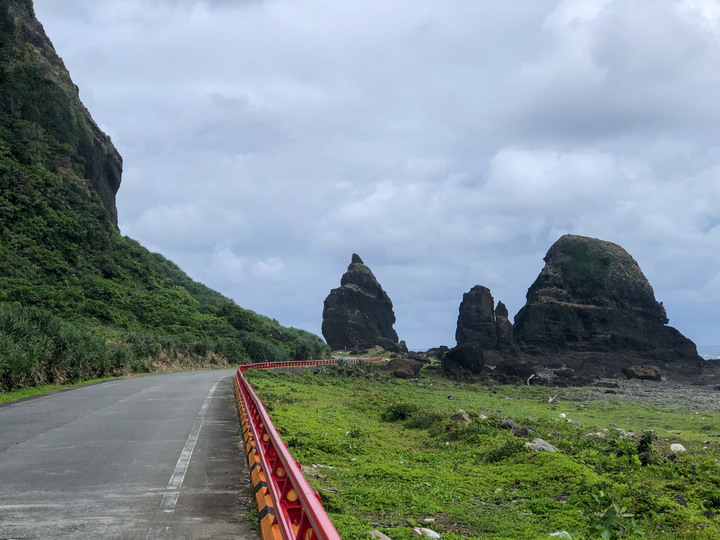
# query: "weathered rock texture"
x,y
480,323
476,321
464,361
39,100
358,314
592,301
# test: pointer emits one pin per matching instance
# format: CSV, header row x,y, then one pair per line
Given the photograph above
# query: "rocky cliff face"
x,y
41,115
592,297
359,313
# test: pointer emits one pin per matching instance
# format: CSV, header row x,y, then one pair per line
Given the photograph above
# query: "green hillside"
x,y
77,298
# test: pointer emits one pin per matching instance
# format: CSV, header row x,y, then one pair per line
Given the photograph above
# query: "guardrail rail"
x,y
289,509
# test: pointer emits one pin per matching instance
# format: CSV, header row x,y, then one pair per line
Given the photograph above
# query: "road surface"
x,y
147,457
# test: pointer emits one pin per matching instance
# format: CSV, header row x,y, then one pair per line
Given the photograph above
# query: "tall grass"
x,y
37,348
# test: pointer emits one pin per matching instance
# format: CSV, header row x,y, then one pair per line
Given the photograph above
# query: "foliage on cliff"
x,y
77,298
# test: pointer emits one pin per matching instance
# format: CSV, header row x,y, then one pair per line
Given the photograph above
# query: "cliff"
x,y
42,119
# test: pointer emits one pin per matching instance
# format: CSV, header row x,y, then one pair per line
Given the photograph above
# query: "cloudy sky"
x,y
448,142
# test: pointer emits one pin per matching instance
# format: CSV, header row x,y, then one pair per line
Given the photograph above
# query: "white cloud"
x,y
448,143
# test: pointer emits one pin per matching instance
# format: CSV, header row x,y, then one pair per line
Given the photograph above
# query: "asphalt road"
x,y
147,457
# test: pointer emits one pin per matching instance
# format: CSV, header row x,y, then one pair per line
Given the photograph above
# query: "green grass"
x,y
384,453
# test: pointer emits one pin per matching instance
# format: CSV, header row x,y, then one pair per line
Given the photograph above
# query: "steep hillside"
x,y
69,281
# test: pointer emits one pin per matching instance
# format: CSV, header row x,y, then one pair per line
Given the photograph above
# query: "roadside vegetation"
x,y
78,300
392,454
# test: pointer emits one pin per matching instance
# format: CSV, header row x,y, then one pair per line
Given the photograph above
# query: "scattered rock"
x,y
645,373
377,534
428,533
390,345
452,397
524,432
359,312
404,368
508,424
622,433
462,416
677,448
539,445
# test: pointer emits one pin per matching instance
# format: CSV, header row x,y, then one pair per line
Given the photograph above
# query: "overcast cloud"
x,y
447,142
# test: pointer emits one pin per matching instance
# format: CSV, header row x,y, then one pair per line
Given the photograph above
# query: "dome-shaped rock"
x,y
591,296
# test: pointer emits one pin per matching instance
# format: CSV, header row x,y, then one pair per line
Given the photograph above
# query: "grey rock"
x,y
462,416
539,445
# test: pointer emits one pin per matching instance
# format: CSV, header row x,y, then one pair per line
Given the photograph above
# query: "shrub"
x,y
398,411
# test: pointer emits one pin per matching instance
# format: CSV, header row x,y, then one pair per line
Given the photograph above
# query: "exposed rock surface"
x,y
592,307
645,373
404,368
540,445
476,321
484,334
505,338
464,360
39,100
359,313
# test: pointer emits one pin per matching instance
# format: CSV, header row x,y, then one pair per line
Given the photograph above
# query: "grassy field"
x,y
386,453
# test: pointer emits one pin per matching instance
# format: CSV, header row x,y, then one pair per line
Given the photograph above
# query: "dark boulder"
x,y
646,373
391,346
359,313
591,301
464,359
404,368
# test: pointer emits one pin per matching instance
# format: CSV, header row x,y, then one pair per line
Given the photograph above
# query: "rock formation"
x,y
592,301
39,101
482,324
484,334
476,321
359,313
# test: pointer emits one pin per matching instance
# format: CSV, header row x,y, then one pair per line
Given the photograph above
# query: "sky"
x,y
447,142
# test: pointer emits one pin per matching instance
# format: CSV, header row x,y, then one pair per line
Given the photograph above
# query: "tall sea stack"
x,y
358,314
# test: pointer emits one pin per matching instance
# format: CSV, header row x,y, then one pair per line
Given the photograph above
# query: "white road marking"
x,y
172,492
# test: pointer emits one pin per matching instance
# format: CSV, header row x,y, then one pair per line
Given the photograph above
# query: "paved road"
x,y
147,457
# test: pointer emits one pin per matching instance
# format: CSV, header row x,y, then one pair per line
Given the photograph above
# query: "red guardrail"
x,y
289,508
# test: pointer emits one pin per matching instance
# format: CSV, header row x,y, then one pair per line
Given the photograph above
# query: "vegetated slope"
x,y
78,299
388,453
